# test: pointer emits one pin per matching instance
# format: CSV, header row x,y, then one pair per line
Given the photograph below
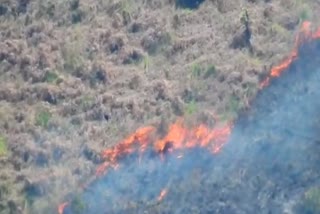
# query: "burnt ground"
x,y
78,76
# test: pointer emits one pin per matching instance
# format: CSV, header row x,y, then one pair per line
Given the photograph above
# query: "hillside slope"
x,y
78,76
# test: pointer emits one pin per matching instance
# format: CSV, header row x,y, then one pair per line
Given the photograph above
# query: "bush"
x,y
191,108
77,16
232,108
305,13
3,10
77,205
51,77
196,70
211,71
71,53
43,118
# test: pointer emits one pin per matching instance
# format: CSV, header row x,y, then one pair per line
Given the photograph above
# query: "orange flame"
x,y
162,194
178,137
316,35
304,35
61,207
125,147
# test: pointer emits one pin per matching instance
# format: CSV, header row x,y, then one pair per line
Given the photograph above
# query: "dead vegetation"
x,y
77,76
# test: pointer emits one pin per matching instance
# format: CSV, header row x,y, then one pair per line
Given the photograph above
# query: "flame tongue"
x,y
304,36
125,147
316,35
162,194
178,137
200,136
62,207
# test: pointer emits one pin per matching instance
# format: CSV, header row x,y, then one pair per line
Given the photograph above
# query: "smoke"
x,y
271,158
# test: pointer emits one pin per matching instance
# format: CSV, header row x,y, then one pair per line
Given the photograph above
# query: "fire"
x,y
303,36
112,155
178,137
316,35
61,207
162,194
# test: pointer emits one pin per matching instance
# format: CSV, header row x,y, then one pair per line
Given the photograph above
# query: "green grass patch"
x,y
86,102
3,146
211,71
305,13
191,108
78,205
51,77
146,63
233,106
72,57
43,118
278,29
196,70
73,50
250,89
202,71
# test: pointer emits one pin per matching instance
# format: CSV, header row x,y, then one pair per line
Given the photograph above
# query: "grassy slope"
x,y
78,78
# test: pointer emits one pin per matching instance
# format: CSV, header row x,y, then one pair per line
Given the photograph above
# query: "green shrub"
x,y
211,71
71,53
196,70
3,146
146,63
191,107
74,4
86,102
78,205
233,106
43,118
51,77
77,16
305,12
278,29
5,188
